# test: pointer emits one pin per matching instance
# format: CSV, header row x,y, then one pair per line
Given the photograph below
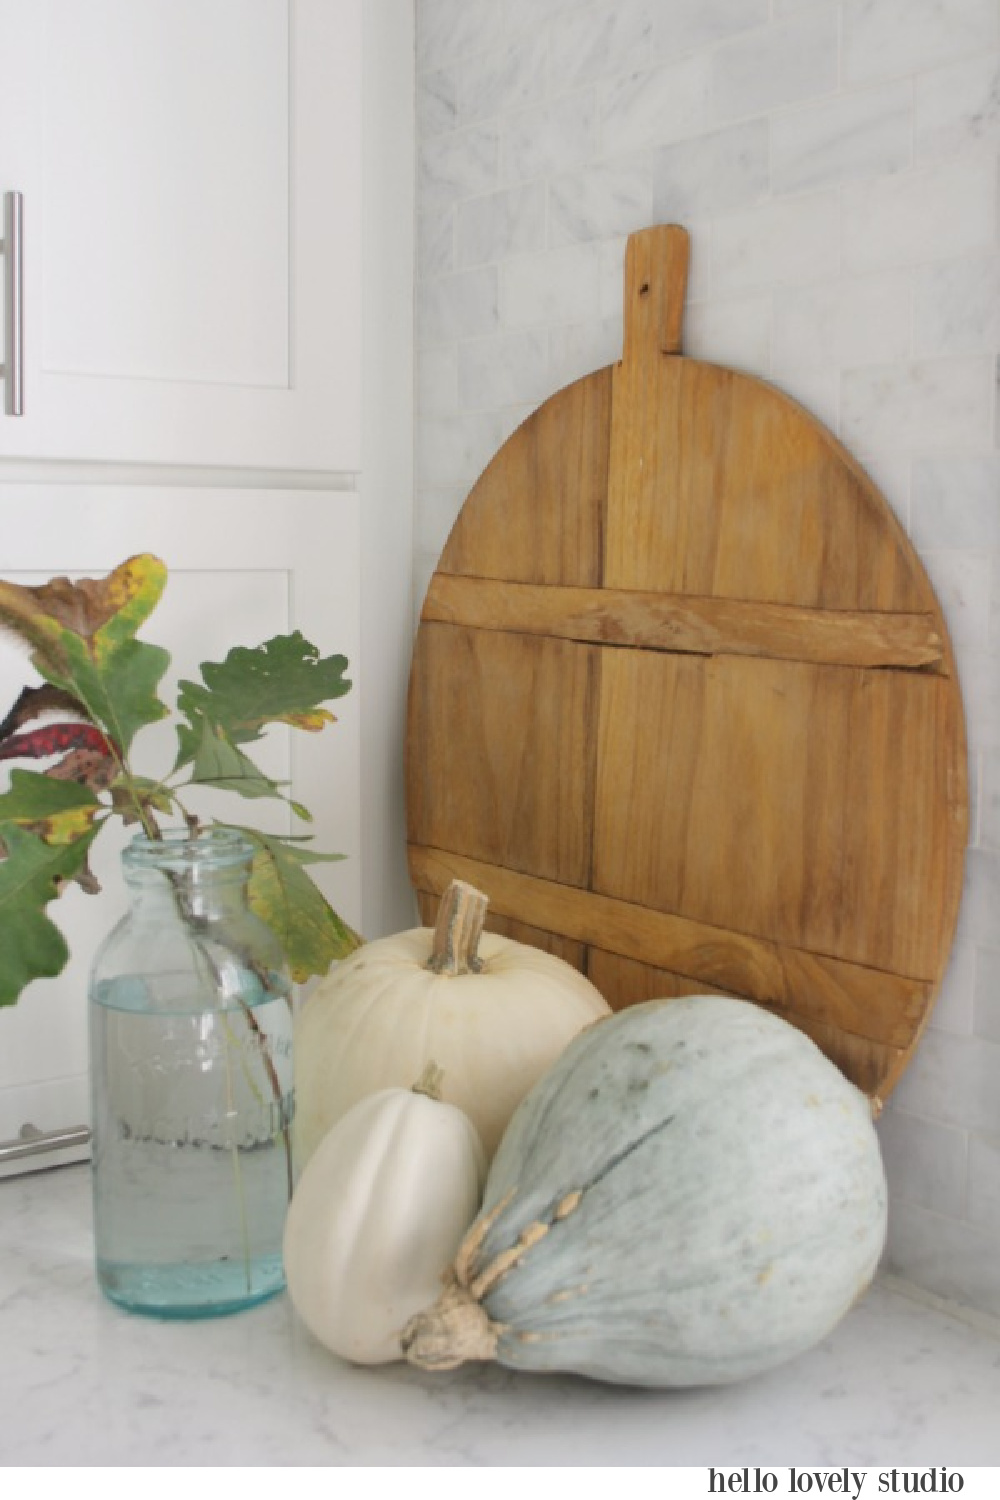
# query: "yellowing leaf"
x,y
85,606
33,797
283,895
67,827
312,722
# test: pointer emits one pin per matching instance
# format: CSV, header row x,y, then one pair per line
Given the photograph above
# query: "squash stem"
x,y
430,1081
458,929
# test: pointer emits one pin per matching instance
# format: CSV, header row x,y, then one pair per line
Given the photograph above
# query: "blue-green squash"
x,y
692,1193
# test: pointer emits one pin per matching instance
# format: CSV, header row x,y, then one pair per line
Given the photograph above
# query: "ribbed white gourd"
x,y
377,1215
692,1194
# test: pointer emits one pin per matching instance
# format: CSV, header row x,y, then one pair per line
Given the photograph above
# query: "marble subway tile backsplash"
x,y
510,369
883,38
653,106
909,218
849,322
501,224
836,165
557,286
694,25
601,202
934,403
458,307
451,168
723,170
956,107
782,242
957,306
551,137
956,502
778,64
927,1160
594,41
492,83
864,134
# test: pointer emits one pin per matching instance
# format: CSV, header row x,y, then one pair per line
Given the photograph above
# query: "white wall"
x,y
388,903
836,164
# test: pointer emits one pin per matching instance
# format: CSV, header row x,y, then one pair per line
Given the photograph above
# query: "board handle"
x,y
656,268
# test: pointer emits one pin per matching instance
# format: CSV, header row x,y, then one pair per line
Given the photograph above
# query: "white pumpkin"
x,y
692,1194
377,1216
492,1012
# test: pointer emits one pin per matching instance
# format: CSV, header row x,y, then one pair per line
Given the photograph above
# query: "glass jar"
x,y
191,1077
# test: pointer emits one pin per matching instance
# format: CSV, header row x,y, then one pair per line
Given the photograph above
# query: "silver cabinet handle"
x,y
13,359
32,1140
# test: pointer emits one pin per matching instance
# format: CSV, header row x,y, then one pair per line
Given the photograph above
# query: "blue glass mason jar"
x,y
191,1079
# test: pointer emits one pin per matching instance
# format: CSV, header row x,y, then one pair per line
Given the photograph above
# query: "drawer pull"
x,y
31,1141
13,359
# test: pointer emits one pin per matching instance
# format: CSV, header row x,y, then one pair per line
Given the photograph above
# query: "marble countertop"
x,y
900,1381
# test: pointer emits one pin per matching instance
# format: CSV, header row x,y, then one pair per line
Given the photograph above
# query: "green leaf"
x,y
218,763
282,681
31,876
311,933
34,796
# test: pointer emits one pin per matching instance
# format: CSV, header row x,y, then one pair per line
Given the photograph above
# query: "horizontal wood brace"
x,y
681,623
864,1002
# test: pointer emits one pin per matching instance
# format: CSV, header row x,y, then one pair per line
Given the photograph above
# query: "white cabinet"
x,y
243,565
190,173
192,226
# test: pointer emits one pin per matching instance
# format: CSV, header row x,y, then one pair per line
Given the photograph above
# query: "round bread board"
x,y
684,706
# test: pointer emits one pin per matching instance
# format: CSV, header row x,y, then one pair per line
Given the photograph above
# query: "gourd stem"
x,y
430,1081
458,929
452,1332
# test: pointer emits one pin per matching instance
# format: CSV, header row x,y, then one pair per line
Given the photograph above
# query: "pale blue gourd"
x,y
691,1194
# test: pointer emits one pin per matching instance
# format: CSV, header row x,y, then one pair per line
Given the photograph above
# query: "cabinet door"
x,y
191,209
244,565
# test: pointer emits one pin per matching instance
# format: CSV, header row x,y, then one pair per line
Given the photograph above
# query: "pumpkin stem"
x,y
458,929
454,1330
430,1081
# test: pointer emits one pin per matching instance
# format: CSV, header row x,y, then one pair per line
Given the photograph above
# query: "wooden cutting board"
x,y
683,703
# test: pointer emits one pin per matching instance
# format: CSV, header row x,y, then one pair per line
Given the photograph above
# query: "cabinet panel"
x,y
244,565
192,199
191,181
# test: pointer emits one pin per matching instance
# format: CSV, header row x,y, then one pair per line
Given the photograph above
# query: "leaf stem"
x,y
195,924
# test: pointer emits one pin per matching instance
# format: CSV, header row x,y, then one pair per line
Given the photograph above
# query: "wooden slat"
x,y
536,514
673,622
767,797
523,799
867,1003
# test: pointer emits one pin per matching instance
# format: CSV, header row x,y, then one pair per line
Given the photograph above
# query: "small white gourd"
x,y
493,1013
377,1216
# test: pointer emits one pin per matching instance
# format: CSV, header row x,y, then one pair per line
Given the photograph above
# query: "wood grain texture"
x,y
536,514
665,622
525,798
819,815
683,702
